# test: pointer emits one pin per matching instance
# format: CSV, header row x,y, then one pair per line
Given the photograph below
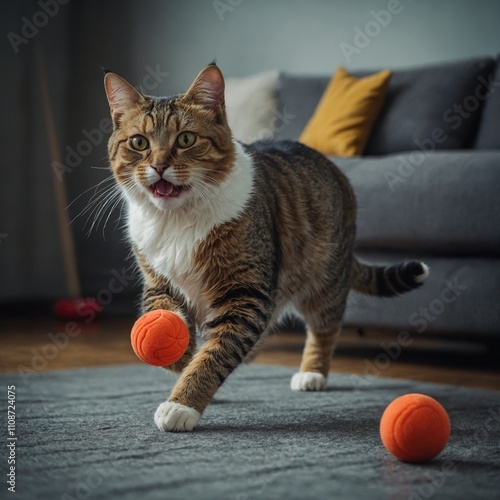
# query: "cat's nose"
x,y
160,167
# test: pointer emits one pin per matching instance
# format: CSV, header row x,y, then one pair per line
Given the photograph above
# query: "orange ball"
x,y
160,337
415,428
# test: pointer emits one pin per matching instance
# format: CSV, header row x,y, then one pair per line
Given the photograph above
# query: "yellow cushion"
x,y
343,120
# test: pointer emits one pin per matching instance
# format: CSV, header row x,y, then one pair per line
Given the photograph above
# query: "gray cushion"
x,y
448,203
418,102
298,97
421,101
488,136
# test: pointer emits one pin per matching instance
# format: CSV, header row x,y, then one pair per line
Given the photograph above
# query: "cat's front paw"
x,y
175,417
308,381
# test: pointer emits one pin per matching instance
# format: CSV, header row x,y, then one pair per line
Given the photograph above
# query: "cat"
x,y
231,237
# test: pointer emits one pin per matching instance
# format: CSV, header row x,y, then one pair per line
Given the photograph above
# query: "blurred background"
x,y
160,46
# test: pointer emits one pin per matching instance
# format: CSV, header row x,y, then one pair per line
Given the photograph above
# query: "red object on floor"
x,y
77,309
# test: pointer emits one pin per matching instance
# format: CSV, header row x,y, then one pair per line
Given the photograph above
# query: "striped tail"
x,y
388,281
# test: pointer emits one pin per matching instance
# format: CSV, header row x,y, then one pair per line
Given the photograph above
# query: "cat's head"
x,y
170,151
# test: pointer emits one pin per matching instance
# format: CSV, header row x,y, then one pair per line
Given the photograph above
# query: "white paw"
x,y
308,381
176,417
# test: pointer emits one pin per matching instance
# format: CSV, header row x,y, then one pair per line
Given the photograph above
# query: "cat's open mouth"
x,y
164,189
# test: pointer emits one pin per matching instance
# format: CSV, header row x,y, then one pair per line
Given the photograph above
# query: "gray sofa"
x,y
427,186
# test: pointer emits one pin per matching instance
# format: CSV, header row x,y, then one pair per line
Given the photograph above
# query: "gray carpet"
x,y
90,434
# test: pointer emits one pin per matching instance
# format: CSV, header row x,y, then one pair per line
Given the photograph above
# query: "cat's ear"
x,y
121,96
208,89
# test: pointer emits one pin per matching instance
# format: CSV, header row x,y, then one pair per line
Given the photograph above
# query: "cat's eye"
x,y
186,139
139,143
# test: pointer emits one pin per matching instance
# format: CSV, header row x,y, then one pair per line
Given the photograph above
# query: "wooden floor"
x,y
42,344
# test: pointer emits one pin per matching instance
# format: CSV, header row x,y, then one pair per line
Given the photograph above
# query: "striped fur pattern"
x,y
232,237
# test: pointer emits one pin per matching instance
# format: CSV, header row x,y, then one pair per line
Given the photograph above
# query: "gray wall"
x,y
305,36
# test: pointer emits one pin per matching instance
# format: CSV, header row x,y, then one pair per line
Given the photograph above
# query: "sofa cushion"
x,y
251,106
488,135
433,107
420,110
346,113
298,97
444,202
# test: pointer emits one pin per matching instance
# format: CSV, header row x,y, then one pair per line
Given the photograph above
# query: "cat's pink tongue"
x,y
163,187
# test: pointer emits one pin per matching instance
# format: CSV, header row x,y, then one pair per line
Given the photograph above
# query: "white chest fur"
x,y
167,244
168,240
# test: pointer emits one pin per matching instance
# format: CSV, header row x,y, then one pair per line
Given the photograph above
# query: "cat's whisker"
x,y
99,192
94,205
118,220
95,187
98,211
98,196
209,195
118,200
94,202
101,210
212,193
104,211
111,203
204,193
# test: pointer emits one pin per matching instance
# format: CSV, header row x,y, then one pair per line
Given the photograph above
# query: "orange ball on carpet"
x,y
415,428
160,337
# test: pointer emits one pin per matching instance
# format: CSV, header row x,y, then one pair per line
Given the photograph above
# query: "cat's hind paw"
x,y
174,417
308,381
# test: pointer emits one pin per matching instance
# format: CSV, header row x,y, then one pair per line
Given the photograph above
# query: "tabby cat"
x,y
231,237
